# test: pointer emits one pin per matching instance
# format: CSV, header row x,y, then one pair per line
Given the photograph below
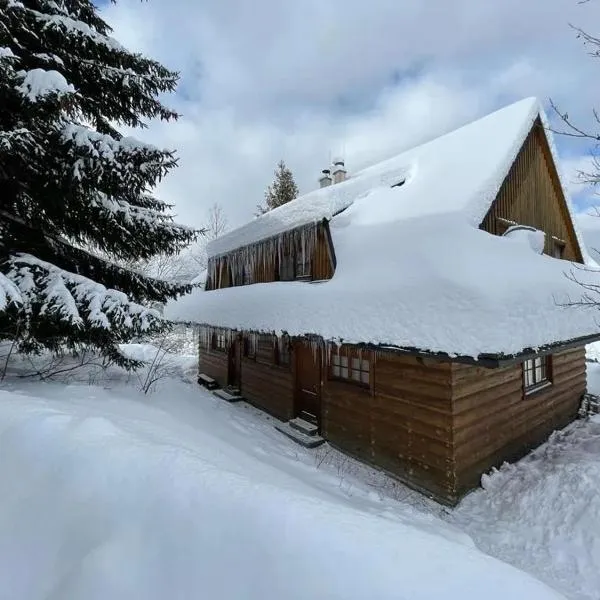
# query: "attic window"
x,y
558,249
286,267
399,184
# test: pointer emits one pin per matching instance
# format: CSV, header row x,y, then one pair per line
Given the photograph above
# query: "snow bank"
x,y
108,498
436,284
461,171
542,514
592,354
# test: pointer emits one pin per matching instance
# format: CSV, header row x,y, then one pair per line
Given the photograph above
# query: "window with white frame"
x,y
350,366
536,373
219,342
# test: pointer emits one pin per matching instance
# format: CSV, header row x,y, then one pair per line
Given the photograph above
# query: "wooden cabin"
x,y
407,372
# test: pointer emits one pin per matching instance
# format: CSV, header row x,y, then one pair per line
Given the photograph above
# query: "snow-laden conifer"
x,y
73,189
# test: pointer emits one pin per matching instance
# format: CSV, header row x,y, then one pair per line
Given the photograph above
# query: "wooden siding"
x,y
494,421
532,195
213,363
267,270
269,387
437,426
266,385
402,423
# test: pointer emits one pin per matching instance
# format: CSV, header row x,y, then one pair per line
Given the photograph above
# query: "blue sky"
x,y
266,80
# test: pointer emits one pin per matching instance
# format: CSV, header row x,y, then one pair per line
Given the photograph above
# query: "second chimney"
x,y
339,170
325,178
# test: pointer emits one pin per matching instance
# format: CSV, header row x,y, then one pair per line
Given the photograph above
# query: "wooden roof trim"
x,y
540,132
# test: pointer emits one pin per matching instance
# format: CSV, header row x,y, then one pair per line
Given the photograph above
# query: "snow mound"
x,y
542,514
109,498
529,236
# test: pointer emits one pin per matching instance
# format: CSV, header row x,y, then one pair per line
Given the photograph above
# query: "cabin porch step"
x,y
207,381
225,395
308,441
304,426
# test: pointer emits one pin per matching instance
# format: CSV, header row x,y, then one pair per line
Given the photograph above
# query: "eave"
x,y
487,360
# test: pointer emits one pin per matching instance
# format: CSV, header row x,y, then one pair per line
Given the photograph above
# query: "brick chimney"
x,y
339,170
325,179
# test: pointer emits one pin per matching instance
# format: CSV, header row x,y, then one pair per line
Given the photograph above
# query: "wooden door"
x,y
234,372
308,382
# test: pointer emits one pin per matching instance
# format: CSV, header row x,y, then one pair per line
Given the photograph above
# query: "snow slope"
x,y
179,495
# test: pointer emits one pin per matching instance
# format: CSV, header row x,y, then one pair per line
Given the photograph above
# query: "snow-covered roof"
x,y
438,284
413,268
460,172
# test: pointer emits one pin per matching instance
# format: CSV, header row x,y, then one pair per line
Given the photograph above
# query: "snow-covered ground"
x,y
110,493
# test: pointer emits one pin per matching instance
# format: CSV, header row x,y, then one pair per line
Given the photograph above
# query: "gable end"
x,y
531,194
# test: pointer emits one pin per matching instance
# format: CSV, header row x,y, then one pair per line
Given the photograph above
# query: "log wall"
x,y
268,386
401,423
494,421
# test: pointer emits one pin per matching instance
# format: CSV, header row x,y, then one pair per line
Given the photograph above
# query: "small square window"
x,y
349,366
536,373
219,342
558,249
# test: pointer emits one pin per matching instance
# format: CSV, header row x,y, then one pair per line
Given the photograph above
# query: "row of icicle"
x,y
262,254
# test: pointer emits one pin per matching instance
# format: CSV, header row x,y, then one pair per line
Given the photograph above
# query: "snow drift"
x,y
103,498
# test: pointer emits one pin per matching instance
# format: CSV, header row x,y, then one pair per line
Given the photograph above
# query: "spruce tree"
x,y
73,190
282,190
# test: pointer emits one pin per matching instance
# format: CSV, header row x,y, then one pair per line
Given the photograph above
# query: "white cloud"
x,y
265,81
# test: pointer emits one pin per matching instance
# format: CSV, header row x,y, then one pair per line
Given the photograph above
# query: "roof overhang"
x,y
487,360
490,360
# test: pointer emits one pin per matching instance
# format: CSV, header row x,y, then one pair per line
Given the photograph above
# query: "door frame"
x,y
298,348
234,363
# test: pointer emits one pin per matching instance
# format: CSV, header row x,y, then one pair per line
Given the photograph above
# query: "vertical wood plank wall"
x,y
495,422
531,195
